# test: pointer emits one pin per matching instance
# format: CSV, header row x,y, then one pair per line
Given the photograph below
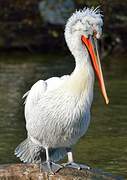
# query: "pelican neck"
x,y
82,63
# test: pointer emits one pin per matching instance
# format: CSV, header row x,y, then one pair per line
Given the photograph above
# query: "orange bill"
x,y
96,64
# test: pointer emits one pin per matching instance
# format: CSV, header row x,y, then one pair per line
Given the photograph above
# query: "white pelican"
x,y
57,110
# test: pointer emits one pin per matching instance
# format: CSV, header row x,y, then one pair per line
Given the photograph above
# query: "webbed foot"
x,y
75,165
51,167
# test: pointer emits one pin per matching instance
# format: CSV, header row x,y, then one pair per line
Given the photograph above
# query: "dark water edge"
x,y
105,144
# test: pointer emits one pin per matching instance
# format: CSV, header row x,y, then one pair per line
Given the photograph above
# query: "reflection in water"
x,y
105,144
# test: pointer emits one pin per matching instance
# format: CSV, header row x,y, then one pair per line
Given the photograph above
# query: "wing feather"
x,y
41,86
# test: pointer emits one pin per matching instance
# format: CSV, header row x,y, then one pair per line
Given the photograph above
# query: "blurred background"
x,y
32,47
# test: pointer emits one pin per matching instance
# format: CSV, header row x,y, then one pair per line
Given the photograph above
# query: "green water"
x,y
105,144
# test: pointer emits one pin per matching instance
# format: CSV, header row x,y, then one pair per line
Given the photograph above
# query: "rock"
x,y
56,13
32,172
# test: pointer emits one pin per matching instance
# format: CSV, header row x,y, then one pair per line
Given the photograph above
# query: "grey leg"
x,y
50,166
71,162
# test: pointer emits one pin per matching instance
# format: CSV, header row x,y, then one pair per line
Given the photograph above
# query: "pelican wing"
x,y
37,92
41,86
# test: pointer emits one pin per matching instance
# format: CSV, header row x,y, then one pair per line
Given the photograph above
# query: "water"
x,y
105,144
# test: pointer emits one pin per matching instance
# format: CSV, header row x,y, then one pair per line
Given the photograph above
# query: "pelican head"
x,y
82,30
87,22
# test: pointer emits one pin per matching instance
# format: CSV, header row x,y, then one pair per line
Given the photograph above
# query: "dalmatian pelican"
x,y
57,110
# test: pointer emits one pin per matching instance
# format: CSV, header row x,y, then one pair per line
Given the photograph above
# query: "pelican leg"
x,y
71,162
50,166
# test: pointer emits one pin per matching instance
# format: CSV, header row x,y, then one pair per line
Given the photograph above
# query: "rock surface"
x,y
32,172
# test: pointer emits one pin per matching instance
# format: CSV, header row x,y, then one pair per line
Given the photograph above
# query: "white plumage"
x,y
57,111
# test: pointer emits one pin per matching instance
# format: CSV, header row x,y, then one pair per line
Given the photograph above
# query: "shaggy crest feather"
x,y
79,14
